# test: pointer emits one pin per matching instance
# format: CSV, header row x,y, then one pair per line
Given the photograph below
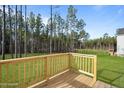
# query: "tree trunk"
x,y
25,46
10,28
3,32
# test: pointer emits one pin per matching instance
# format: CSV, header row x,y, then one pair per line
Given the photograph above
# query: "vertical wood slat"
x,y
83,63
87,64
92,66
19,75
41,62
29,72
48,68
13,71
67,61
80,62
36,70
33,69
64,61
24,73
45,70
0,72
7,73
76,62
53,66
58,64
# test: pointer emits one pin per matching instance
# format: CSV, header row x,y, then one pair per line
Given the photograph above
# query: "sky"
x,y
99,19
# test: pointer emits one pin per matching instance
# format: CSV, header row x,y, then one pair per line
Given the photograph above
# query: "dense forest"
x,y
21,33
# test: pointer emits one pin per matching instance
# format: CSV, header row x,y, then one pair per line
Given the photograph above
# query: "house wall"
x,y
120,45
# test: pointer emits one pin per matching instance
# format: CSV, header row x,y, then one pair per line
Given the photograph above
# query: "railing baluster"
x,y
51,68
64,61
53,65
7,73
41,69
46,69
19,75
80,63
0,74
37,70
93,65
29,71
24,74
58,64
13,71
83,64
89,65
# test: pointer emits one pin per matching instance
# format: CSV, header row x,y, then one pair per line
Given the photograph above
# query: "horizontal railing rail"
x,y
24,72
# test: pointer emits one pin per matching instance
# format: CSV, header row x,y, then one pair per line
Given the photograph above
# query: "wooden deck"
x,y
71,79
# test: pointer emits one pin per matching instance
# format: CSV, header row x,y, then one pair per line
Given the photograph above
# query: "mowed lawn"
x,y
110,69
8,56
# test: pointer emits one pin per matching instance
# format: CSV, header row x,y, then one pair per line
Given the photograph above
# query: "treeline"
x,y
22,34
104,43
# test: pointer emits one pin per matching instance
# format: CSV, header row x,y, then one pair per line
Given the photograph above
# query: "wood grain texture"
x,y
71,79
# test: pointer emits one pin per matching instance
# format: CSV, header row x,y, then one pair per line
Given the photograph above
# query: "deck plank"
x,y
71,79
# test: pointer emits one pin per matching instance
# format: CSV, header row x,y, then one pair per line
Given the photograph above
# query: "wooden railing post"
x,y
95,70
70,61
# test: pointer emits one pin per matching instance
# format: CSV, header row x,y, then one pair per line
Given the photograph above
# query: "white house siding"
x,y
120,45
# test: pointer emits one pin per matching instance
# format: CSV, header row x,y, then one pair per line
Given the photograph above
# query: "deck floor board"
x,y
71,79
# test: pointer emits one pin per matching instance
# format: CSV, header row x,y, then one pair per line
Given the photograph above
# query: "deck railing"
x,y
85,64
24,72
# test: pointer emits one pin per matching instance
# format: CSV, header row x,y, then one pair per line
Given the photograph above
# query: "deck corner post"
x,y
95,70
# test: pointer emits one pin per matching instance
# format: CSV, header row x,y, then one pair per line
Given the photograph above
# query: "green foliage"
x,y
105,43
67,34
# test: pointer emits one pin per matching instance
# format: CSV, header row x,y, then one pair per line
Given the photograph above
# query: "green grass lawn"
x,y
110,69
8,56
